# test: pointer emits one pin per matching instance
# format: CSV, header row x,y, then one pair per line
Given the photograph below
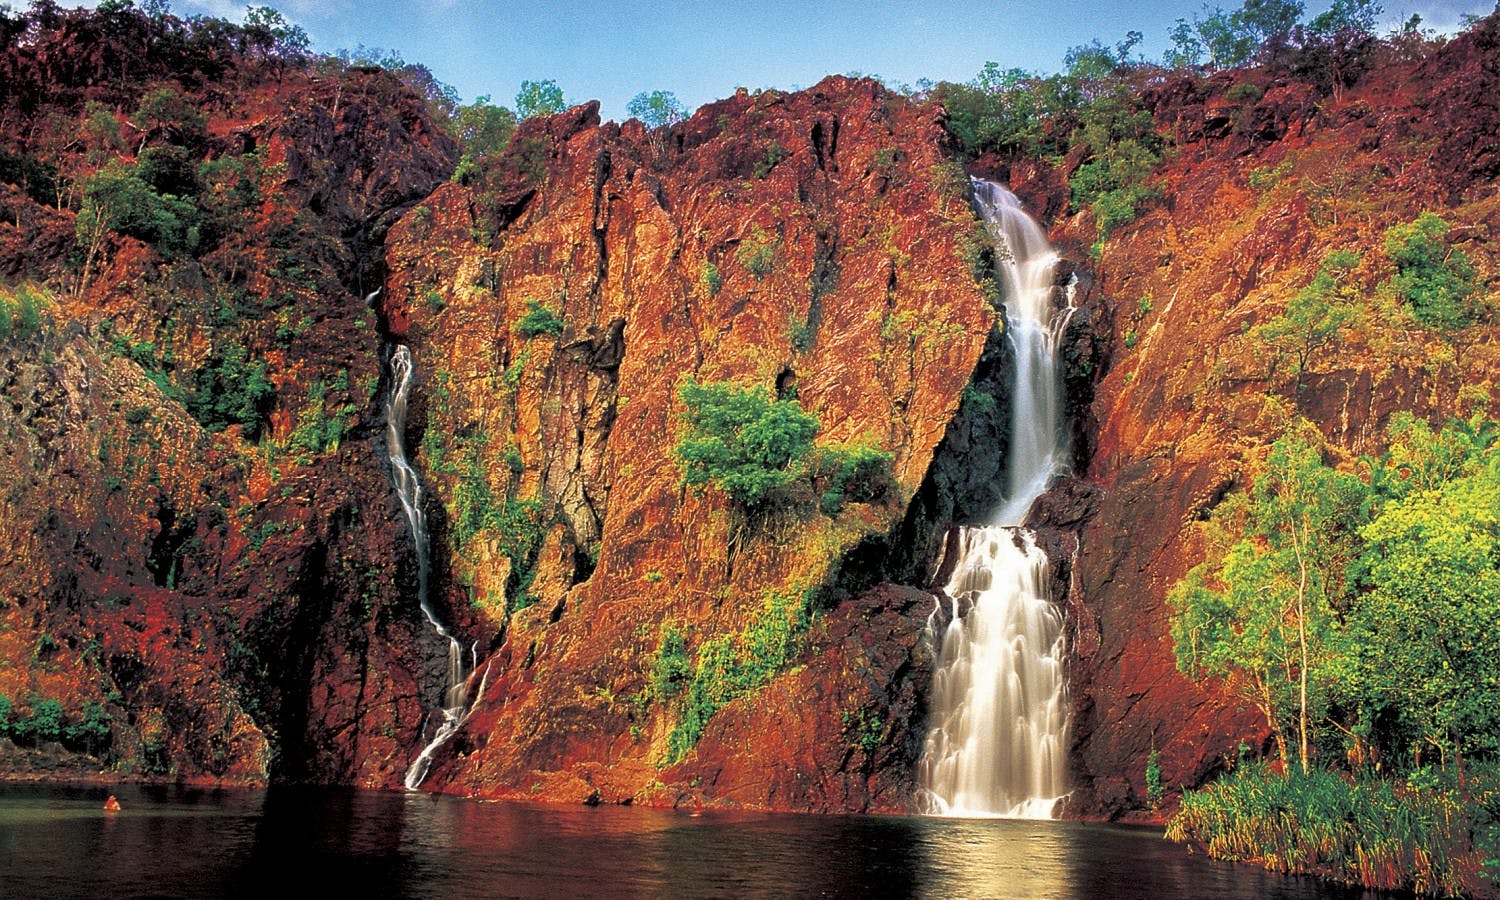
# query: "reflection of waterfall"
x,y
997,737
409,489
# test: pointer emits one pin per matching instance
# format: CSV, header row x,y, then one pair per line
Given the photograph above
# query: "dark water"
x,y
58,842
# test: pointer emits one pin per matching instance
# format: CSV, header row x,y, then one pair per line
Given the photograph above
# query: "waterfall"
x,y
996,745
409,490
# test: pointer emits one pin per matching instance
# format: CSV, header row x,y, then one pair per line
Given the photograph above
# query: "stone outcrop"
x,y
234,589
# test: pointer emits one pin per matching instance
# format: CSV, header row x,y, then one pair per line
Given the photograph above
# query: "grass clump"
x,y
729,666
1429,834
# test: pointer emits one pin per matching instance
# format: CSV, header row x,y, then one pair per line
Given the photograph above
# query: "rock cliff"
x,y
205,569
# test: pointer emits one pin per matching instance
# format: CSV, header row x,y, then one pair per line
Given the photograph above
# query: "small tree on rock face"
x,y
1436,280
539,98
1313,319
657,109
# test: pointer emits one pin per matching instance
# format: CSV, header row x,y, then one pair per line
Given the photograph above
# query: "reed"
x,y
1423,834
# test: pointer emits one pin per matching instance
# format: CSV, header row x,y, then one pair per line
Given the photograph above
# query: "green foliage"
x,y
167,113
1260,612
319,427
91,731
230,389
757,253
1437,281
1314,318
117,199
670,669
539,320
44,725
859,473
539,98
773,155
481,128
1122,149
1364,610
21,314
730,666
657,109
35,176
1424,639
1154,791
1229,39
709,279
1004,110
742,441
5,713
1432,837
517,525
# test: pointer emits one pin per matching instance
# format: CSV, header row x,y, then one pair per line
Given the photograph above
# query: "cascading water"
x,y
997,741
409,489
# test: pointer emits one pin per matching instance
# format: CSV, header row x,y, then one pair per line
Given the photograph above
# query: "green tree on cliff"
x,y
539,98
1313,319
1259,613
1435,280
742,441
657,109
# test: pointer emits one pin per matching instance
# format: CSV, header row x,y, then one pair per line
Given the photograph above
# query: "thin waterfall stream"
x,y
408,487
997,742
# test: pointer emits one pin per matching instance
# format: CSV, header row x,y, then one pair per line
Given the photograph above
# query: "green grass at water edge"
x,y
1426,834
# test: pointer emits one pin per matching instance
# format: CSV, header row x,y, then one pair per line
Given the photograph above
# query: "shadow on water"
x,y
171,842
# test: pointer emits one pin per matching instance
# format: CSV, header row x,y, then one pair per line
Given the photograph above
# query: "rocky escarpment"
x,y
808,244
1261,189
202,550
200,573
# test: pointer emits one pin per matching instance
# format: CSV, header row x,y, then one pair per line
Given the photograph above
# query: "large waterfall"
x,y
409,489
997,741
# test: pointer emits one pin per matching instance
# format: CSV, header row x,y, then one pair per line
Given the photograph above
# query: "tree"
x,y
482,128
1260,612
1425,635
1437,281
1313,319
539,98
658,109
742,441
1339,43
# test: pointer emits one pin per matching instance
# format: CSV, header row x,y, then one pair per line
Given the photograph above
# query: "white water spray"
x,y
997,741
409,488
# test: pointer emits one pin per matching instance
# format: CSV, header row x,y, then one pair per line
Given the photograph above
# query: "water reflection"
x,y
58,843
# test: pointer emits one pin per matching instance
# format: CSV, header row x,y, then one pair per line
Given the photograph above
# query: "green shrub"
x,y
709,280
860,473
45,724
91,732
774,154
670,669
21,314
1437,281
5,712
539,320
742,441
757,253
1154,790
229,389
730,666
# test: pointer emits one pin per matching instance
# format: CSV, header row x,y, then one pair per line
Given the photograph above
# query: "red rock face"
x,y
859,300
241,600
232,599
1181,415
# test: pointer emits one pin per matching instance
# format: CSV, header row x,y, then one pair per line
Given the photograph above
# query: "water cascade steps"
x,y
997,740
456,705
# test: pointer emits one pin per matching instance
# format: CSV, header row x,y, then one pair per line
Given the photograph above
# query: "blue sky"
x,y
610,50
